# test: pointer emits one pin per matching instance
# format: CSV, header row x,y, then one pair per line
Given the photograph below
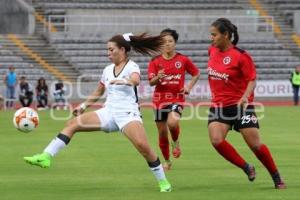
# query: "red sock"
x,y
264,155
230,154
164,147
175,133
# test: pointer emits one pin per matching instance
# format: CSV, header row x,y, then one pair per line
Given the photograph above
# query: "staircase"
x,y
39,27
39,45
287,31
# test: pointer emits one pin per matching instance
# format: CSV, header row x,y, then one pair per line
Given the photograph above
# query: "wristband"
x,y
125,81
82,106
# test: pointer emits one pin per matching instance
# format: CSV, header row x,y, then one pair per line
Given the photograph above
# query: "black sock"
x,y
276,178
64,138
154,164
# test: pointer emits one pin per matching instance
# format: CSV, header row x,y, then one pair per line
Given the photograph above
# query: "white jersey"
x,y
120,98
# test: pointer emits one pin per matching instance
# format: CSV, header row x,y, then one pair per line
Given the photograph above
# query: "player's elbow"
x,y
196,77
254,83
152,82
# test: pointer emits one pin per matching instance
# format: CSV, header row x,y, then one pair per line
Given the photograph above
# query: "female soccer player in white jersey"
x,y
121,110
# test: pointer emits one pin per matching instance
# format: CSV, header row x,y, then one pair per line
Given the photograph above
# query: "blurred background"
x,y
65,40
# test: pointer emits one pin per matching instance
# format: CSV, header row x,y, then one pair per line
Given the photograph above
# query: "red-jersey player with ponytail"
x,y
231,76
167,73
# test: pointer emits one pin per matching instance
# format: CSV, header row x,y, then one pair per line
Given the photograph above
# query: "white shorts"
x,y
112,121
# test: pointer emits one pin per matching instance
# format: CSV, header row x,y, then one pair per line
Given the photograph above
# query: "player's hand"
x,y
185,91
243,102
161,74
78,110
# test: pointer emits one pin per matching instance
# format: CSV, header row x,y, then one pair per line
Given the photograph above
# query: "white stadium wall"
x,y
296,21
17,16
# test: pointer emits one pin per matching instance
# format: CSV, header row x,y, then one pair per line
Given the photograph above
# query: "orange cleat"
x,y
176,151
167,165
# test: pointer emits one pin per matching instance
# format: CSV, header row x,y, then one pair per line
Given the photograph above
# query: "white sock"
x,y
158,172
55,146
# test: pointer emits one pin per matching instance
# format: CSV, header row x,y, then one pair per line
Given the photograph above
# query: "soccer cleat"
x,y
250,171
43,160
280,185
165,186
167,165
176,151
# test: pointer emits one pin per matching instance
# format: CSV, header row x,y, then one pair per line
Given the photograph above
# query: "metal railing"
x,y
188,26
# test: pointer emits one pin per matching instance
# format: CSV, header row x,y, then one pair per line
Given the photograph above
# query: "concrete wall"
x,y
190,23
297,21
16,16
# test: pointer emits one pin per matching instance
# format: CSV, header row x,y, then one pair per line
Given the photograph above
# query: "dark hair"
x,y
41,80
224,25
171,32
143,43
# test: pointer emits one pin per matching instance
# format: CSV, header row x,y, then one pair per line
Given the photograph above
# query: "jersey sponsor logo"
x,y
173,76
173,79
178,64
217,75
226,60
133,114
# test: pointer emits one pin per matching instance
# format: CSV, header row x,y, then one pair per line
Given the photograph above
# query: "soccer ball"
x,y
26,119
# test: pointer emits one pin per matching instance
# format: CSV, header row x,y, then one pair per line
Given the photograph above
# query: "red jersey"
x,y
169,89
229,73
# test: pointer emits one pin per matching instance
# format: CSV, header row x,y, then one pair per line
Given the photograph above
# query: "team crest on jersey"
x,y
226,60
254,119
178,64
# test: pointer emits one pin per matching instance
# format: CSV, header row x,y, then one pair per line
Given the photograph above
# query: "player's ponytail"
x,y
143,43
224,25
235,34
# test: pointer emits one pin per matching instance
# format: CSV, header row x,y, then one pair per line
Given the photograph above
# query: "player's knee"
x,y
215,141
173,122
73,124
172,126
163,132
255,147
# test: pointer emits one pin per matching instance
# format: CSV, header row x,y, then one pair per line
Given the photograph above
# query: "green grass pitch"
x,y
106,166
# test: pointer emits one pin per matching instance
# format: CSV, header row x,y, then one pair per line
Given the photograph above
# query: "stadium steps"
x,y
42,20
62,69
8,58
286,31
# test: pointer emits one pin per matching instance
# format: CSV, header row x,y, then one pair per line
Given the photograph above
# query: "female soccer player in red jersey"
x,y
231,75
167,73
